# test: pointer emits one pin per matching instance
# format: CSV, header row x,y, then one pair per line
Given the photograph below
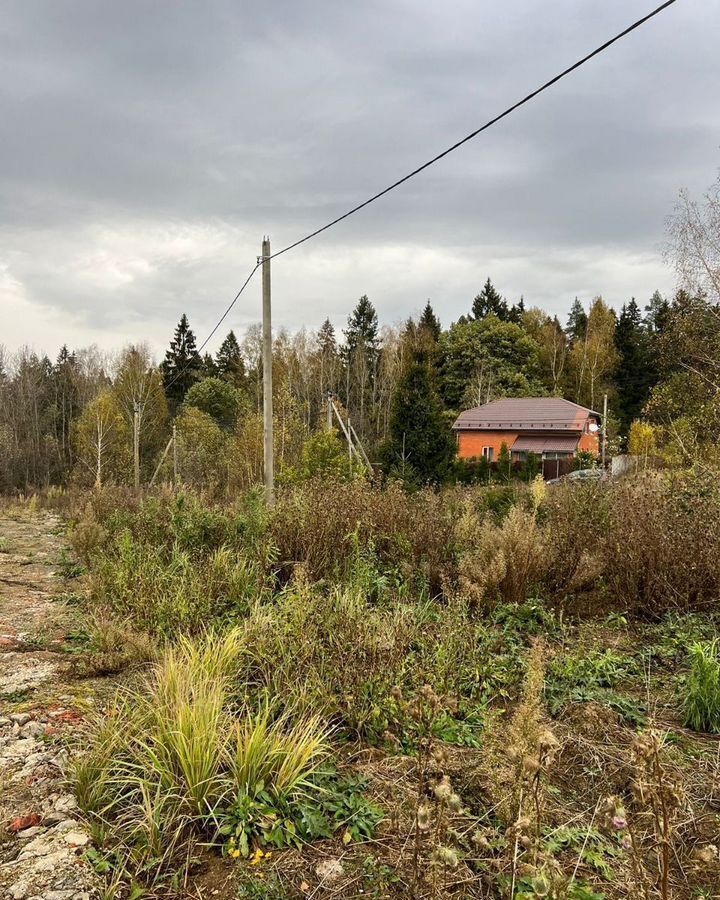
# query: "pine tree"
x,y
421,446
182,365
489,303
430,322
577,322
229,361
329,362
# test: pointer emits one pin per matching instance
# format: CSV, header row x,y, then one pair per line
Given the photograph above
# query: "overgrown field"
x,y
486,692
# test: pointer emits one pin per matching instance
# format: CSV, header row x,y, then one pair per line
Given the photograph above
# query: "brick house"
x,y
553,428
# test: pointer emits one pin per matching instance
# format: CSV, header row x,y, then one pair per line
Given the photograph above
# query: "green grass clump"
x,y
702,688
170,591
173,755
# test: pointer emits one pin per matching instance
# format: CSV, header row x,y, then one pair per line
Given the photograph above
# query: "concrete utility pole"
x,y
604,430
136,444
175,455
269,454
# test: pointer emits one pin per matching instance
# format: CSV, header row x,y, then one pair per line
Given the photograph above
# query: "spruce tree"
x,y
327,344
635,374
657,313
489,303
329,358
577,322
209,367
361,355
421,446
363,328
182,365
516,311
229,361
430,322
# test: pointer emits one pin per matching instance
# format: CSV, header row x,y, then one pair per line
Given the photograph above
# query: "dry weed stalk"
x,y
435,799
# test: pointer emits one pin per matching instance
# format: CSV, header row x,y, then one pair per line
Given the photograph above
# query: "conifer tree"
x,y
577,322
229,361
657,313
421,447
361,355
182,365
489,303
635,374
329,362
516,311
430,322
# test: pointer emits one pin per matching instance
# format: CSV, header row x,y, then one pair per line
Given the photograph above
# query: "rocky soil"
x,y
42,707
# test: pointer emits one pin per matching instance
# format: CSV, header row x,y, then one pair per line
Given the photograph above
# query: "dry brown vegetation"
x,y
504,675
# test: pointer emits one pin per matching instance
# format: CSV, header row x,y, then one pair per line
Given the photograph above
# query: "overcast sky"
x,y
146,147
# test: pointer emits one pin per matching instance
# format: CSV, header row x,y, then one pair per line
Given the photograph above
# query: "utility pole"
x,y
136,444
175,456
604,430
329,411
268,455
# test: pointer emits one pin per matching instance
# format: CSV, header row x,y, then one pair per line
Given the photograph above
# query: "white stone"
x,y
20,718
76,839
329,870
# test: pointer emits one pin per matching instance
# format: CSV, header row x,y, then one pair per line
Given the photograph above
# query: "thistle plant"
x,y
435,798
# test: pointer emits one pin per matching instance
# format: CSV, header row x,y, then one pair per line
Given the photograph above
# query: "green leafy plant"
x,y
702,688
592,677
328,805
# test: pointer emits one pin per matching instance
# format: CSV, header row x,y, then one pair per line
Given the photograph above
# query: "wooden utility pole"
x,y
604,430
136,444
269,454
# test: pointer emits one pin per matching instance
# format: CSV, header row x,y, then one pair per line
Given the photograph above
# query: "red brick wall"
x,y
471,443
591,442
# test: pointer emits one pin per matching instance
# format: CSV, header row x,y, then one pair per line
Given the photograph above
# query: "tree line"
x,y
401,386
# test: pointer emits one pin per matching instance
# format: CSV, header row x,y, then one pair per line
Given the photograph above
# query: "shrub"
x,y
502,561
702,688
314,524
331,652
662,544
575,518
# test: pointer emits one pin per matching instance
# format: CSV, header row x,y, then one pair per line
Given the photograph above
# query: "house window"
x,y
488,453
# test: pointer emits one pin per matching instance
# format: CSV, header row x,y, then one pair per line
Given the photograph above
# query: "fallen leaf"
x,y
23,822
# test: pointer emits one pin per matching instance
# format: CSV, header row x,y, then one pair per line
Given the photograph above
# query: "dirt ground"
x,y
41,710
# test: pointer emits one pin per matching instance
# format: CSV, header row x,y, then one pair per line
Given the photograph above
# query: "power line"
x,y
473,134
430,162
218,324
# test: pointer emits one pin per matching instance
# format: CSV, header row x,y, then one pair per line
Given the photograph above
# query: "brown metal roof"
x,y
524,414
551,443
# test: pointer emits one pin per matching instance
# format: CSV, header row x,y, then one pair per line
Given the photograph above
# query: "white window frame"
x,y
489,453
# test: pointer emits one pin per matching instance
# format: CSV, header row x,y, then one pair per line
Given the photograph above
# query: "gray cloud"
x,y
148,146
